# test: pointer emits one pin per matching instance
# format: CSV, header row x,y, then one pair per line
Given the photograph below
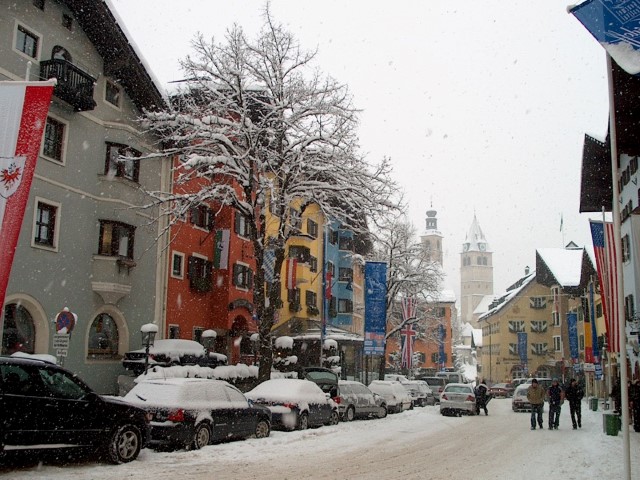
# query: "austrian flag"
x,y
23,115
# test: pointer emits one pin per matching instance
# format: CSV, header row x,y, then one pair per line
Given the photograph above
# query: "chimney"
x,y
526,270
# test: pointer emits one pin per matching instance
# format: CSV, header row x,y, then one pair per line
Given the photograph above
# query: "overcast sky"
x,y
482,105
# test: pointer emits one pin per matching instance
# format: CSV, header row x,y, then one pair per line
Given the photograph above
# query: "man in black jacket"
x,y
482,397
556,397
574,394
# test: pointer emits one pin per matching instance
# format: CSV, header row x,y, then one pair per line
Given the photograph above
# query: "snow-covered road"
x,y
414,444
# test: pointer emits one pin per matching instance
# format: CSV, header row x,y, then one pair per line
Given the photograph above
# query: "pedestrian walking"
x,y
616,395
482,394
535,395
574,395
556,398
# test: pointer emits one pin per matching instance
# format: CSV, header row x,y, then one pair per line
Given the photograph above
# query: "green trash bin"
x,y
593,404
611,424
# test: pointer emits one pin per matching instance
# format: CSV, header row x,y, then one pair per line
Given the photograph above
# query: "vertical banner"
x,y
572,324
375,307
522,349
23,116
588,340
442,359
407,334
292,266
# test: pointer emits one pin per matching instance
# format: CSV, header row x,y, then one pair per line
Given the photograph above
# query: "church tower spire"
x,y
432,238
476,272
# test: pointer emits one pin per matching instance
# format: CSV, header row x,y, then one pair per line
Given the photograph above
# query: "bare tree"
x,y
411,272
261,128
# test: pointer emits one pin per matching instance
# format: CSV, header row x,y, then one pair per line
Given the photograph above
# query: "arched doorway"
x,y
24,321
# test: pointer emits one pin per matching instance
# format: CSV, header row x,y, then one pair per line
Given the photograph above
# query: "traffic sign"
x,y
60,341
61,352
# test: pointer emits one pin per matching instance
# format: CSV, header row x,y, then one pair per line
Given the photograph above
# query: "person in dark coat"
x,y
634,397
556,397
574,394
482,397
616,395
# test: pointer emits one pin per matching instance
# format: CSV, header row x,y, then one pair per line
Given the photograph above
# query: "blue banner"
x,y
595,348
375,307
522,347
616,25
572,323
442,360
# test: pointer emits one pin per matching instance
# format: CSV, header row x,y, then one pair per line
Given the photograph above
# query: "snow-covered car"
x,y
167,352
45,407
193,412
519,401
421,394
458,399
355,400
295,403
436,384
397,398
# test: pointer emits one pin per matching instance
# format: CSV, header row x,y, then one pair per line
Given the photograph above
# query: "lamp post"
x,y
209,343
148,332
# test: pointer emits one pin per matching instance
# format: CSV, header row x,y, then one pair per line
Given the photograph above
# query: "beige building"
x,y
476,272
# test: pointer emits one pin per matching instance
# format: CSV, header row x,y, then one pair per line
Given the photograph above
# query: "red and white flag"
x,y
292,264
604,247
409,308
23,115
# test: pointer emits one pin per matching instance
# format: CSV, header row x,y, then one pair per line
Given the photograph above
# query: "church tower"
x,y
476,272
432,238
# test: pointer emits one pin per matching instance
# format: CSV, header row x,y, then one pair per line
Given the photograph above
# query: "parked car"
x,y
193,412
168,352
355,400
421,394
397,398
436,384
394,377
43,406
519,401
452,377
295,403
504,390
458,399
326,379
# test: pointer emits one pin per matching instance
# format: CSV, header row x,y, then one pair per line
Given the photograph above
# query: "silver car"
x,y
458,399
355,400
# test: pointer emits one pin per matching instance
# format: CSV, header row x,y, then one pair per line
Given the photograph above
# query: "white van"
x,y
452,377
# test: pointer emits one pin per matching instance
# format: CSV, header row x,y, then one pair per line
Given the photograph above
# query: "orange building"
x,y
211,277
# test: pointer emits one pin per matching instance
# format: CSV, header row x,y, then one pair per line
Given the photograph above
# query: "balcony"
x,y
109,279
74,85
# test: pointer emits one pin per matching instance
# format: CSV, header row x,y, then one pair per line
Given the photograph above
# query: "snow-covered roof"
x,y
475,240
477,337
564,264
503,300
447,296
483,305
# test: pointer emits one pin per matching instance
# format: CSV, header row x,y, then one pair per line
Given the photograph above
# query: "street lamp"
x,y
148,332
209,342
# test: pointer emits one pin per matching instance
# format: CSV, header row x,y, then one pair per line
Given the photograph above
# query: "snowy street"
x,y
414,444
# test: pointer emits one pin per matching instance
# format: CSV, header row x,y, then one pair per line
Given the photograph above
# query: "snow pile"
x,y
229,373
284,342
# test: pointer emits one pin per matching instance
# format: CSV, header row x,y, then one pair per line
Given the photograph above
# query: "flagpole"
x,y
615,210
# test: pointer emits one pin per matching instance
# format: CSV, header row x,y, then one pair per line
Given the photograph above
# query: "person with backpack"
x,y
482,397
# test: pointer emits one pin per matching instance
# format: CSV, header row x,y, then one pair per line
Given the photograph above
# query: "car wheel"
x,y
383,413
123,444
201,437
262,429
350,414
334,419
303,422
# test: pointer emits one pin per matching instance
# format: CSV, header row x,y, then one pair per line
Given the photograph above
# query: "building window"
x,y
629,308
302,254
27,42
333,237
116,166
242,276
598,310
313,264
293,295
539,348
538,302
557,343
116,239
112,93
67,21
626,249
345,243
53,139
345,305
200,274
311,298
331,268
345,274
516,326
174,331
556,319
295,219
202,216
103,337
538,326
312,228
177,265
242,226
45,225
19,331
581,343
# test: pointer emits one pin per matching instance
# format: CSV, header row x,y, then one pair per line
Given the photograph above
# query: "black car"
x,y
168,352
193,412
44,406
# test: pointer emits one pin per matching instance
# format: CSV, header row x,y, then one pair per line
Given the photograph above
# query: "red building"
x,y
211,277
